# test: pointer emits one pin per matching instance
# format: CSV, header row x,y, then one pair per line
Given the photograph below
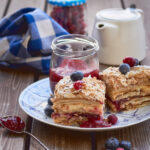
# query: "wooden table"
x,y
13,82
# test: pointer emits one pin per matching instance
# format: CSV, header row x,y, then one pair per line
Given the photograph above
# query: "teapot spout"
x,y
104,25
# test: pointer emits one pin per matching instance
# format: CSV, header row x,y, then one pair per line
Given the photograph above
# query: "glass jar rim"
x,y
91,40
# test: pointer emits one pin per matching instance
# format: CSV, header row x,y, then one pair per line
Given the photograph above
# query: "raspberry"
x,y
112,119
120,148
78,85
130,61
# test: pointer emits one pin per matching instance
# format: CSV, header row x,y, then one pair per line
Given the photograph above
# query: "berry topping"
x,y
136,62
95,122
78,85
13,123
48,110
112,143
120,148
130,61
125,144
94,73
75,76
124,68
112,119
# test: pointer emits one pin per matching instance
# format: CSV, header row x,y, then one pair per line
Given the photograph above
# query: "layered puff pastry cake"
x,y
72,106
129,91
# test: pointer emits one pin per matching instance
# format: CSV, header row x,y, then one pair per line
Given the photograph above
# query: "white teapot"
x,y
120,33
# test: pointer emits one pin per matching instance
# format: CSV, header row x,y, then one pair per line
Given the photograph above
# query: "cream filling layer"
x,y
77,106
142,90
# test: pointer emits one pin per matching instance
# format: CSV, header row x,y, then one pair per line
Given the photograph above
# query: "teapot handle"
x,y
141,12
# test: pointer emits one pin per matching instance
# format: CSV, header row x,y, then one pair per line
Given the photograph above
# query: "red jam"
x,y
13,123
99,122
69,66
117,103
95,123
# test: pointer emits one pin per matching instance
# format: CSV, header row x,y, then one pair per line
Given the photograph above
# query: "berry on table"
x,y
48,110
124,68
112,119
75,76
78,85
130,61
112,143
120,148
125,144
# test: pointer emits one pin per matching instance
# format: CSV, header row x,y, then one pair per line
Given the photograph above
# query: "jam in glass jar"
x,y
72,53
70,14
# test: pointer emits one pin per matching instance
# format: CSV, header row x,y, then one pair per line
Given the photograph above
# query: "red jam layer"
x,y
93,121
117,103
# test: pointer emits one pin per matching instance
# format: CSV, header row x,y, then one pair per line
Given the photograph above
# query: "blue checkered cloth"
x,y
26,37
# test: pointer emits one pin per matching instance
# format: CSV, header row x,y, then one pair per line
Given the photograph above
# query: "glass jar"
x,y
70,14
72,53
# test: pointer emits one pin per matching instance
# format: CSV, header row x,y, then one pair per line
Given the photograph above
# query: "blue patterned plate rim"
x,y
40,91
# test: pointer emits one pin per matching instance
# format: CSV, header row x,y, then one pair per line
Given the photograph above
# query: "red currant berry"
x,y
112,119
78,85
130,61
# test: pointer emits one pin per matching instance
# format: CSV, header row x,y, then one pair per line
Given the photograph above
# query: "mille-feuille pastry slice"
x,y
127,91
75,102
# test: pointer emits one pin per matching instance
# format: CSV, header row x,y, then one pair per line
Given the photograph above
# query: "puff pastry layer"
x,y
130,91
72,107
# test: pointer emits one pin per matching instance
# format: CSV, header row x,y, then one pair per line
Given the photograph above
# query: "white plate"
x,y
34,98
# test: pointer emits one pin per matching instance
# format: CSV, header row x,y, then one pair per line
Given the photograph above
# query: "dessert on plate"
x,y
76,101
127,87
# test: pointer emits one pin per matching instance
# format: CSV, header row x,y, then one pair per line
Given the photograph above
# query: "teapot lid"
x,y
119,14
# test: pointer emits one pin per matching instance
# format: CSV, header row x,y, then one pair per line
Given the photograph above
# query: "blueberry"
x,y
112,143
136,62
49,101
125,144
75,76
124,68
48,110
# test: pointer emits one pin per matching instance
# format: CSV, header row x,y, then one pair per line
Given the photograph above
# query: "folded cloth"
x,y
25,39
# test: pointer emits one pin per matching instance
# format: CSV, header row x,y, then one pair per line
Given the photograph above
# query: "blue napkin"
x,y
25,39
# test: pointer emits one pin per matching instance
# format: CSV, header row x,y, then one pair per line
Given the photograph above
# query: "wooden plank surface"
x,y
3,4
18,4
94,6
145,6
11,85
